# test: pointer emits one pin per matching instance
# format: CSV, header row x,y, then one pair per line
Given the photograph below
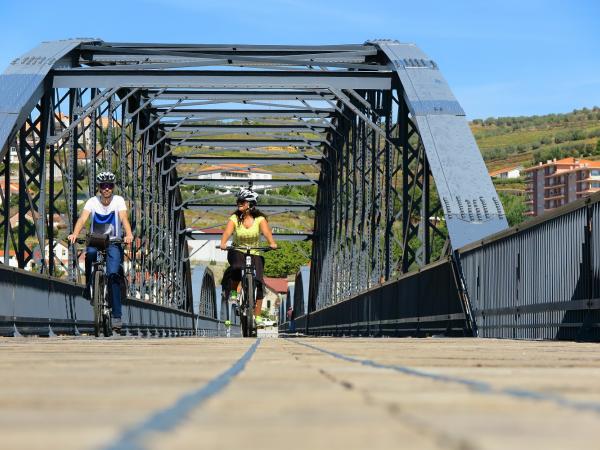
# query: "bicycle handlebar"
x,y
84,240
236,247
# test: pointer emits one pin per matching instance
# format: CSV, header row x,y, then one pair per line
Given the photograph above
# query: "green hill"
x,y
524,141
506,141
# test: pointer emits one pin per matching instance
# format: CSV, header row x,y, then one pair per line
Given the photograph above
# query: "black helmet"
x,y
106,177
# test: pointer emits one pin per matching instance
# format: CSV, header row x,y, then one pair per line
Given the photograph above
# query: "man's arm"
x,y
126,226
85,214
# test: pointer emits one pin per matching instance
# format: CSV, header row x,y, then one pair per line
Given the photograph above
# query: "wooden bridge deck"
x,y
298,393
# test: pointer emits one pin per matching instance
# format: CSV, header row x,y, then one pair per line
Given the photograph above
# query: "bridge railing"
x,y
41,305
421,303
35,304
540,280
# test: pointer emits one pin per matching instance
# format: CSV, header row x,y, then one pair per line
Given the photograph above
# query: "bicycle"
x,y
99,284
247,296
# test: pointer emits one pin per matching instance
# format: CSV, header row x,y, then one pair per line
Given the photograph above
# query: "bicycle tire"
x,y
243,311
107,325
106,313
250,327
98,293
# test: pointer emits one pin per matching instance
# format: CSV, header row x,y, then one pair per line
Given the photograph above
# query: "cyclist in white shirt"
x,y
109,216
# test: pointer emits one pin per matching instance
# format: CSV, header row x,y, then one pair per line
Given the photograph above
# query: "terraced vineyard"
x,y
523,141
507,141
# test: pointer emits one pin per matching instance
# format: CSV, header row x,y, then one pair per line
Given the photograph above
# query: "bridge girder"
x,y
380,120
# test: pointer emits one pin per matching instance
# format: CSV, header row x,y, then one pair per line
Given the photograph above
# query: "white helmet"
x,y
246,195
106,177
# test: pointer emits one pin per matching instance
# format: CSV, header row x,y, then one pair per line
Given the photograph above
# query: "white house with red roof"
x,y
12,258
231,171
507,172
275,292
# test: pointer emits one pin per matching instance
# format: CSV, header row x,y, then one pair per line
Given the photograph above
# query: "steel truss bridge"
x,y
402,193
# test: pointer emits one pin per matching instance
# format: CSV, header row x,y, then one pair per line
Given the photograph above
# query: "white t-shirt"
x,y
105,219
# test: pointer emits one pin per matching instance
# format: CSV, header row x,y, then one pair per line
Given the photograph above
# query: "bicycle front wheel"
x,y
243,311
249,292
98,300
107,324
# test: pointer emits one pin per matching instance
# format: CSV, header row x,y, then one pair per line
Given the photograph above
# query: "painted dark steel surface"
x,y
22,83
301,291
34,304
471,205
422,303
539,281
381,122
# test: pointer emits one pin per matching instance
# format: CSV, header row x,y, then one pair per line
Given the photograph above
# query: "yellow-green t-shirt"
x,y
247,237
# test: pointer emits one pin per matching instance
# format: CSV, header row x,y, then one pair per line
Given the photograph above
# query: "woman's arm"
x,y
227,234
266,231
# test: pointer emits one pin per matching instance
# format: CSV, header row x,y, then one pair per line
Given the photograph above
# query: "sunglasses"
x,y
107,186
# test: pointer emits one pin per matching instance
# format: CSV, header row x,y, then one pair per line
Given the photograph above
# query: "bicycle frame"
x,y
102,308
247,296
99,294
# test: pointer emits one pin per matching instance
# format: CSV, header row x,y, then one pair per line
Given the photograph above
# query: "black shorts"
x,y
237,261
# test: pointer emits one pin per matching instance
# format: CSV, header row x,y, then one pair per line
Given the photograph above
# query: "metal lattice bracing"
x,y
374,127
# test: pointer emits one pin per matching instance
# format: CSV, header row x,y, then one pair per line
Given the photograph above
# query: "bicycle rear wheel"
x,y
98,300
249,292
106,311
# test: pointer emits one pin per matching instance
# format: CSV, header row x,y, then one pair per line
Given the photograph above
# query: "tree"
x,y
514,208
288,258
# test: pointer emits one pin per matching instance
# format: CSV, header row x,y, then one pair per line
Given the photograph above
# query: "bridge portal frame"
x,y
388,128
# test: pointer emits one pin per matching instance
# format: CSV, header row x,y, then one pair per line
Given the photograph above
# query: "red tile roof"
x,y
569,163
237,168
499,171
279,285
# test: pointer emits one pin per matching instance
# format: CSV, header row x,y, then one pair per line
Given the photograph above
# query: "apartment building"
x,y
558,182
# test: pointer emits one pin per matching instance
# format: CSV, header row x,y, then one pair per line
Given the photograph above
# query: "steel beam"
x,y
241,48
242,143
233,95
234,129
250,160
468,197
263,207
222,114
244,182
80,78
199,235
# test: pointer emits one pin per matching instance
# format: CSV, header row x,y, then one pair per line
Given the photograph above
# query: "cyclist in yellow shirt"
x,y
246,224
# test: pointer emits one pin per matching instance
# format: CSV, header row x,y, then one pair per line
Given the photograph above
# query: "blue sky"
x,y
500,57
